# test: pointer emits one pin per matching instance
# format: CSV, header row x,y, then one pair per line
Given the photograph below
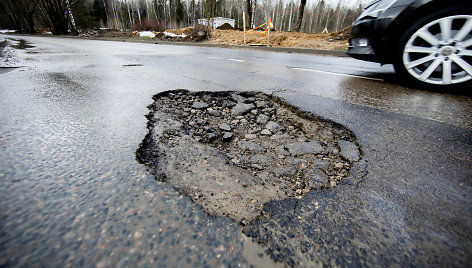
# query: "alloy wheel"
x,y
440,52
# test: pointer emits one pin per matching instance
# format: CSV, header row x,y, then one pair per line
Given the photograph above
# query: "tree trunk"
x,y
300,15
71,17
249,10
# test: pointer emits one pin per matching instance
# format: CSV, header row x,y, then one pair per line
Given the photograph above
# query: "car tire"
x,y
436,51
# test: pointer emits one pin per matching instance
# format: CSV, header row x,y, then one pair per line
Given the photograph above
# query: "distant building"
x,y
215,22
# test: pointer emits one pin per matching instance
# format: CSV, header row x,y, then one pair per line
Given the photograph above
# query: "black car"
x,y
429,42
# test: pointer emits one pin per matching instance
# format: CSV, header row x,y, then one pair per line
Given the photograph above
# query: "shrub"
x,y
149,25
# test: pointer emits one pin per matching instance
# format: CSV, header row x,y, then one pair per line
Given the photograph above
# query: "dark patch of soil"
x,y
198,33
225,26
342,35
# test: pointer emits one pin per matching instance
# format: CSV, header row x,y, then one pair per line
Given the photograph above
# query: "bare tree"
x,y
55,15
300,15
21,14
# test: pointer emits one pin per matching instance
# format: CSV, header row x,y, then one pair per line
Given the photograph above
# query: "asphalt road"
x,y
73,194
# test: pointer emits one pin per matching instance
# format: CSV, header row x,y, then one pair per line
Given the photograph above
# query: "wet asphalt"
x,y
73,194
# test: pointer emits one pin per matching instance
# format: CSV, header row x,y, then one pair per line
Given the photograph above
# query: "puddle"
x,y
4,70
255,255
21,44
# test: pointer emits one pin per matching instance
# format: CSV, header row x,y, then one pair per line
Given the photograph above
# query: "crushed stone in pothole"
x,y
232,152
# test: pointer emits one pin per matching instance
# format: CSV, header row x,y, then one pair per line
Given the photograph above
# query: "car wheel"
x,y
436,52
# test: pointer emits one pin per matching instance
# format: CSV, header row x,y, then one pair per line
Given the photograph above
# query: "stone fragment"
x,y
228,136
262,119
273,126
266,132
268,110
238,97
212,137
250,136
280,137
215,113
284,171
227,103
261,104
241,108
201,122
321,164
206,98
349,151
250,146
294,161
301,148
281,150
257,166
316,179
199,105
338,165
260,159
225,127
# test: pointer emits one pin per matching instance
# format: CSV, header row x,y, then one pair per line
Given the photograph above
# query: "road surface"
x,y
73,194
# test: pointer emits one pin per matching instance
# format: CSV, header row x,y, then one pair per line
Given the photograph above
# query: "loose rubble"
x,y
232,152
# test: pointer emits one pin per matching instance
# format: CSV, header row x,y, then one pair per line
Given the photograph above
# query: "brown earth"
x,y
332,41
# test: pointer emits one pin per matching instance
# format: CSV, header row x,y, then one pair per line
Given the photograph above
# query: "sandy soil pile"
x,y
333,41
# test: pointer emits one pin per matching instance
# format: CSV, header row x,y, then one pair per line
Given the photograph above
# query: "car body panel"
x,y
382,30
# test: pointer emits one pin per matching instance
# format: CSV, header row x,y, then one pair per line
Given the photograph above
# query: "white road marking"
x,y
216,58
340,74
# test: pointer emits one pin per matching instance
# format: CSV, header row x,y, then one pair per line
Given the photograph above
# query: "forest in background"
x,y
73,16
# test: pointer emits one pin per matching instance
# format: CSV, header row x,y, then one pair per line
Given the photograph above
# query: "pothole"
x,y
232,152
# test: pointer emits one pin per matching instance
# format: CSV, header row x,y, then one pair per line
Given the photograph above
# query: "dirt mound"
x,y
341,35
225,26
278,39
198,33
334,41
181,31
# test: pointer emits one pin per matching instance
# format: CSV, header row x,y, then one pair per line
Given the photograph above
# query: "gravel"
x,y
235,151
